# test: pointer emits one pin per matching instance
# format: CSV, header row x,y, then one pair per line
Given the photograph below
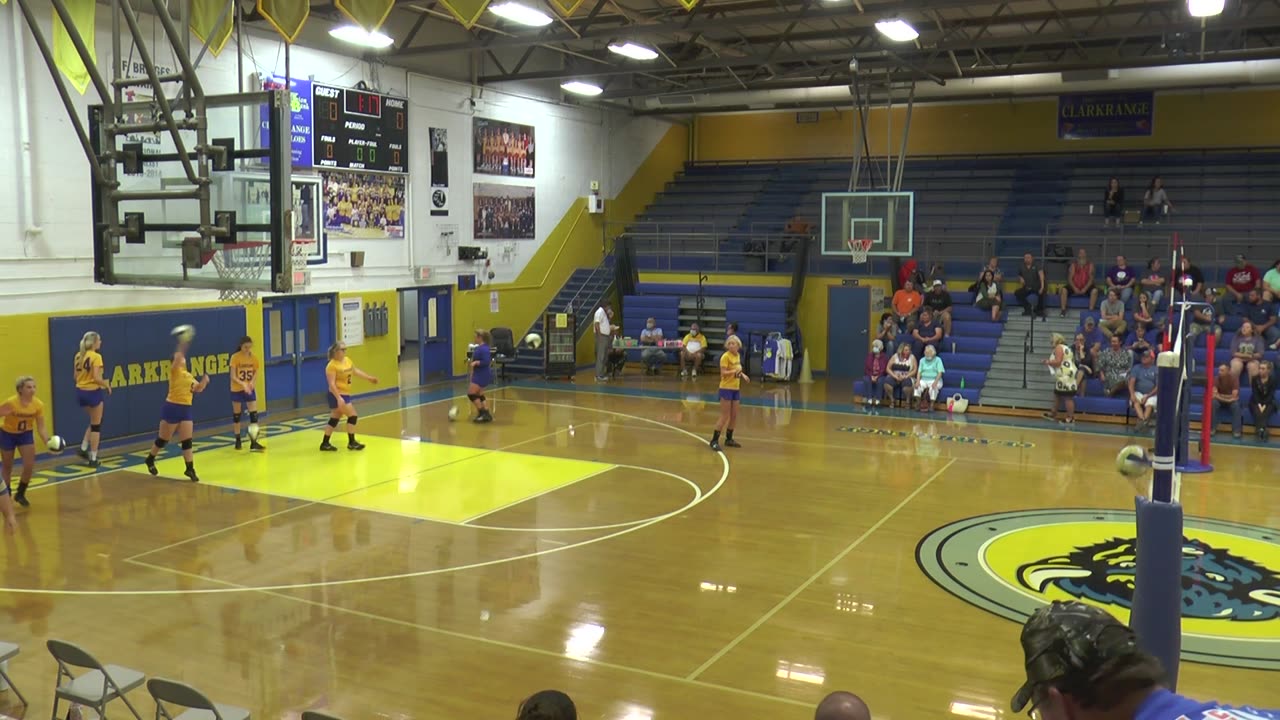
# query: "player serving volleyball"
x,y
90,391
175,415
339,372
22,414
731,379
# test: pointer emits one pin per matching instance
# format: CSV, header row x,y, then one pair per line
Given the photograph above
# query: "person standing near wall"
x,y
604,331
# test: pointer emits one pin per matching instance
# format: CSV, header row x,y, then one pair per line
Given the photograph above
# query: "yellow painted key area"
x,y
401,477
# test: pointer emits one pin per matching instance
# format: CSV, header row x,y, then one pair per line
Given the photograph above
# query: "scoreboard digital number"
x,y
360,130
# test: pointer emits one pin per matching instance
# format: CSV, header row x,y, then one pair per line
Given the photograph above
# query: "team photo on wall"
x,y
502,148
366,206
503,212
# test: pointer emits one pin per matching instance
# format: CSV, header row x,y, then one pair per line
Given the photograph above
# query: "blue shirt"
x,y
481,374
1165,705
1144,378
1258,314
646,334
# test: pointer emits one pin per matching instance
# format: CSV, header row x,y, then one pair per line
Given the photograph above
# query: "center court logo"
x,y
1009,564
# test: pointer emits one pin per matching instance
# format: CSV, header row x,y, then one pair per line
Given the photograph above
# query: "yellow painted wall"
x,y
1182,120
378,356
576,241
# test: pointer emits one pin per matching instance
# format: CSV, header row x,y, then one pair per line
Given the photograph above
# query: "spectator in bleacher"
x,y
1079,282
1113,204
1112,322
1226,394
988,295
910,272
874,369
1114,365
1271,283
937,273
906,304
1123,278
1246,351
902,368
1030,282
652,355
939,300
929,373
1263,402
993,267
1065,378
888,332
1085,360
842,706
1154,281
694,350
1190,281
1263,317
927,333
1241,279
1143,382
604,331
547,705
1155,202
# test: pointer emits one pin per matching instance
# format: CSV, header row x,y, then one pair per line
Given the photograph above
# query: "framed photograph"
x,y
502,148
503,212
364,205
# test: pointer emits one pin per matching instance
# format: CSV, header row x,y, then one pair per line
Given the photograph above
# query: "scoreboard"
x,y
359,130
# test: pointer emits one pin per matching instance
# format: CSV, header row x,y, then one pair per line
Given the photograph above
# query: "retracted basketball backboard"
x,y
885,218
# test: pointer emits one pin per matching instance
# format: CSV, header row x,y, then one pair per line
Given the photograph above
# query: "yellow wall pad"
x,y
402,477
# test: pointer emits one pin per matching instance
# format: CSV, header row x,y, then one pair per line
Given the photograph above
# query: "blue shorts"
x,y
726,394
12,441
333,402
244,397
173,413
89,398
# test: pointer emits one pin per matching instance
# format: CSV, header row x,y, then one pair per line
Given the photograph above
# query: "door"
x,y
435,330
848,320
297,334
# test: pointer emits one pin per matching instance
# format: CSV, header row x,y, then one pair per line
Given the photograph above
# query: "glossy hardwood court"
x,y
589,541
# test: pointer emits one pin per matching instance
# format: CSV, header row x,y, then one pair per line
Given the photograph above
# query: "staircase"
x,y
1035,202
581,294
1003,386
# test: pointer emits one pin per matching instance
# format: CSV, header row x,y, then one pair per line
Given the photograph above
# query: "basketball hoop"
x,y
246,261
859,249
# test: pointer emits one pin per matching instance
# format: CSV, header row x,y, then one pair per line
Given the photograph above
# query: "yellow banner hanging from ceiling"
x,y
64,52
368,14
205,25
566,7
286,16
467,11
688,4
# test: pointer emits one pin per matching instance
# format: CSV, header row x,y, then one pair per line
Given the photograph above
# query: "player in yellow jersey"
x,y
244,370
20,415
91,390
731,379
176,413
339,372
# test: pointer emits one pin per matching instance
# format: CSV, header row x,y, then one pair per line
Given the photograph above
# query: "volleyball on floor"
x,y
453,413
56,444
1133,461
533,340
253,430
184,333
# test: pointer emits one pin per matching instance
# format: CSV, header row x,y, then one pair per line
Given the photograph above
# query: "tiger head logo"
x,y
1216,585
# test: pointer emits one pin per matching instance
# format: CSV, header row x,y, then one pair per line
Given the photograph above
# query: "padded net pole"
x,y
1206,417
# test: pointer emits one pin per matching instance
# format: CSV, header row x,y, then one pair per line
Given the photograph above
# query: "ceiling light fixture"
x,y
1205,8
897,30
577,87
523,14
633,51
357,35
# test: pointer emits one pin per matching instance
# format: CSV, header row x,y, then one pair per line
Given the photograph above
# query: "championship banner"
x,y
468,12
64,51
363,206
368,14
205,25
566,7
300,145
1089,116
286,16
439,158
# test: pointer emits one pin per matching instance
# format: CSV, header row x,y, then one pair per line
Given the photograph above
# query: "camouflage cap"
x,y
1066,642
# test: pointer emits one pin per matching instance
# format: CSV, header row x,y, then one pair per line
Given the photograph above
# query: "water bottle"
x,y
961,383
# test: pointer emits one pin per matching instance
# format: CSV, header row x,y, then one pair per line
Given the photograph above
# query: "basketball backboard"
x,y
886,218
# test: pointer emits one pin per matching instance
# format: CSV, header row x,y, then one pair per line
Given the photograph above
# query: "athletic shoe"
x,y
238,442
732,443
20,497
328,447
355,445
715,446
191,474
254,445
151,465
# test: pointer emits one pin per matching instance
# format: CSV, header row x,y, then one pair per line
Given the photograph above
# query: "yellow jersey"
x,y
244,369
699,338
342,373
730,361
86,363
22,418
181,384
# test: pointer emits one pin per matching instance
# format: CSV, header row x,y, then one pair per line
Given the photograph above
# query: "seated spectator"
x,y
694,350
1083,663
1113,204
547,705
1084,361
1226,394
1123,278
939,300
1112,322
1143,316
652,356
1202,320
902,368
1188,279
874,370
1263,402
1154,281
1079,282
1263,318
906,304
1155,202
1093,337
988,295
842,706
888,333
997,277
1241,280
926,334
1143,383
1031,282
1271,283
1246,351
929,378
1114,365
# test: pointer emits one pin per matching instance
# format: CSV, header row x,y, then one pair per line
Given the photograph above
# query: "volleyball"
x,y
55,444
533,340
1188,282
184,333
253,431
1132,461
453,413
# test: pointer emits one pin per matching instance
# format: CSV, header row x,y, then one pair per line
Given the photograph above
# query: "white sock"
x,y
84,446
93,456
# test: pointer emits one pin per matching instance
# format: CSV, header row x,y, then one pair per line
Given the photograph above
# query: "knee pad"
x,y
161,442
235,417
253,416
333,422
352,420
96,428
186,444
473,396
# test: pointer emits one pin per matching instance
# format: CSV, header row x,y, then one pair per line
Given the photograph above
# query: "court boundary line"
x,y
769,615
610,467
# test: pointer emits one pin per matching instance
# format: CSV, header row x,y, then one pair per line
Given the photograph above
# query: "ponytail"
x,y
86,344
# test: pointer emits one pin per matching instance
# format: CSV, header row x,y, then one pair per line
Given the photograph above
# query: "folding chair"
x,y
198,707
95,688
7,651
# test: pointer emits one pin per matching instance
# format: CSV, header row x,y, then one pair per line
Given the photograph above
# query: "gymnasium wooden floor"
x,y
588,541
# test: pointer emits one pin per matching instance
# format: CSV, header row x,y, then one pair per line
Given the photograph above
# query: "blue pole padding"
x,y
1157,596
1163,462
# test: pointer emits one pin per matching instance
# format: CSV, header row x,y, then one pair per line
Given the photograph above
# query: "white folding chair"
x,y
197,706
92,689
7,651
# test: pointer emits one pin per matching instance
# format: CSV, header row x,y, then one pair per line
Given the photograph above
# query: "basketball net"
x,y
859,249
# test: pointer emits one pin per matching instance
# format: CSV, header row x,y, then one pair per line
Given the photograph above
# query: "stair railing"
x,y
1028,347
